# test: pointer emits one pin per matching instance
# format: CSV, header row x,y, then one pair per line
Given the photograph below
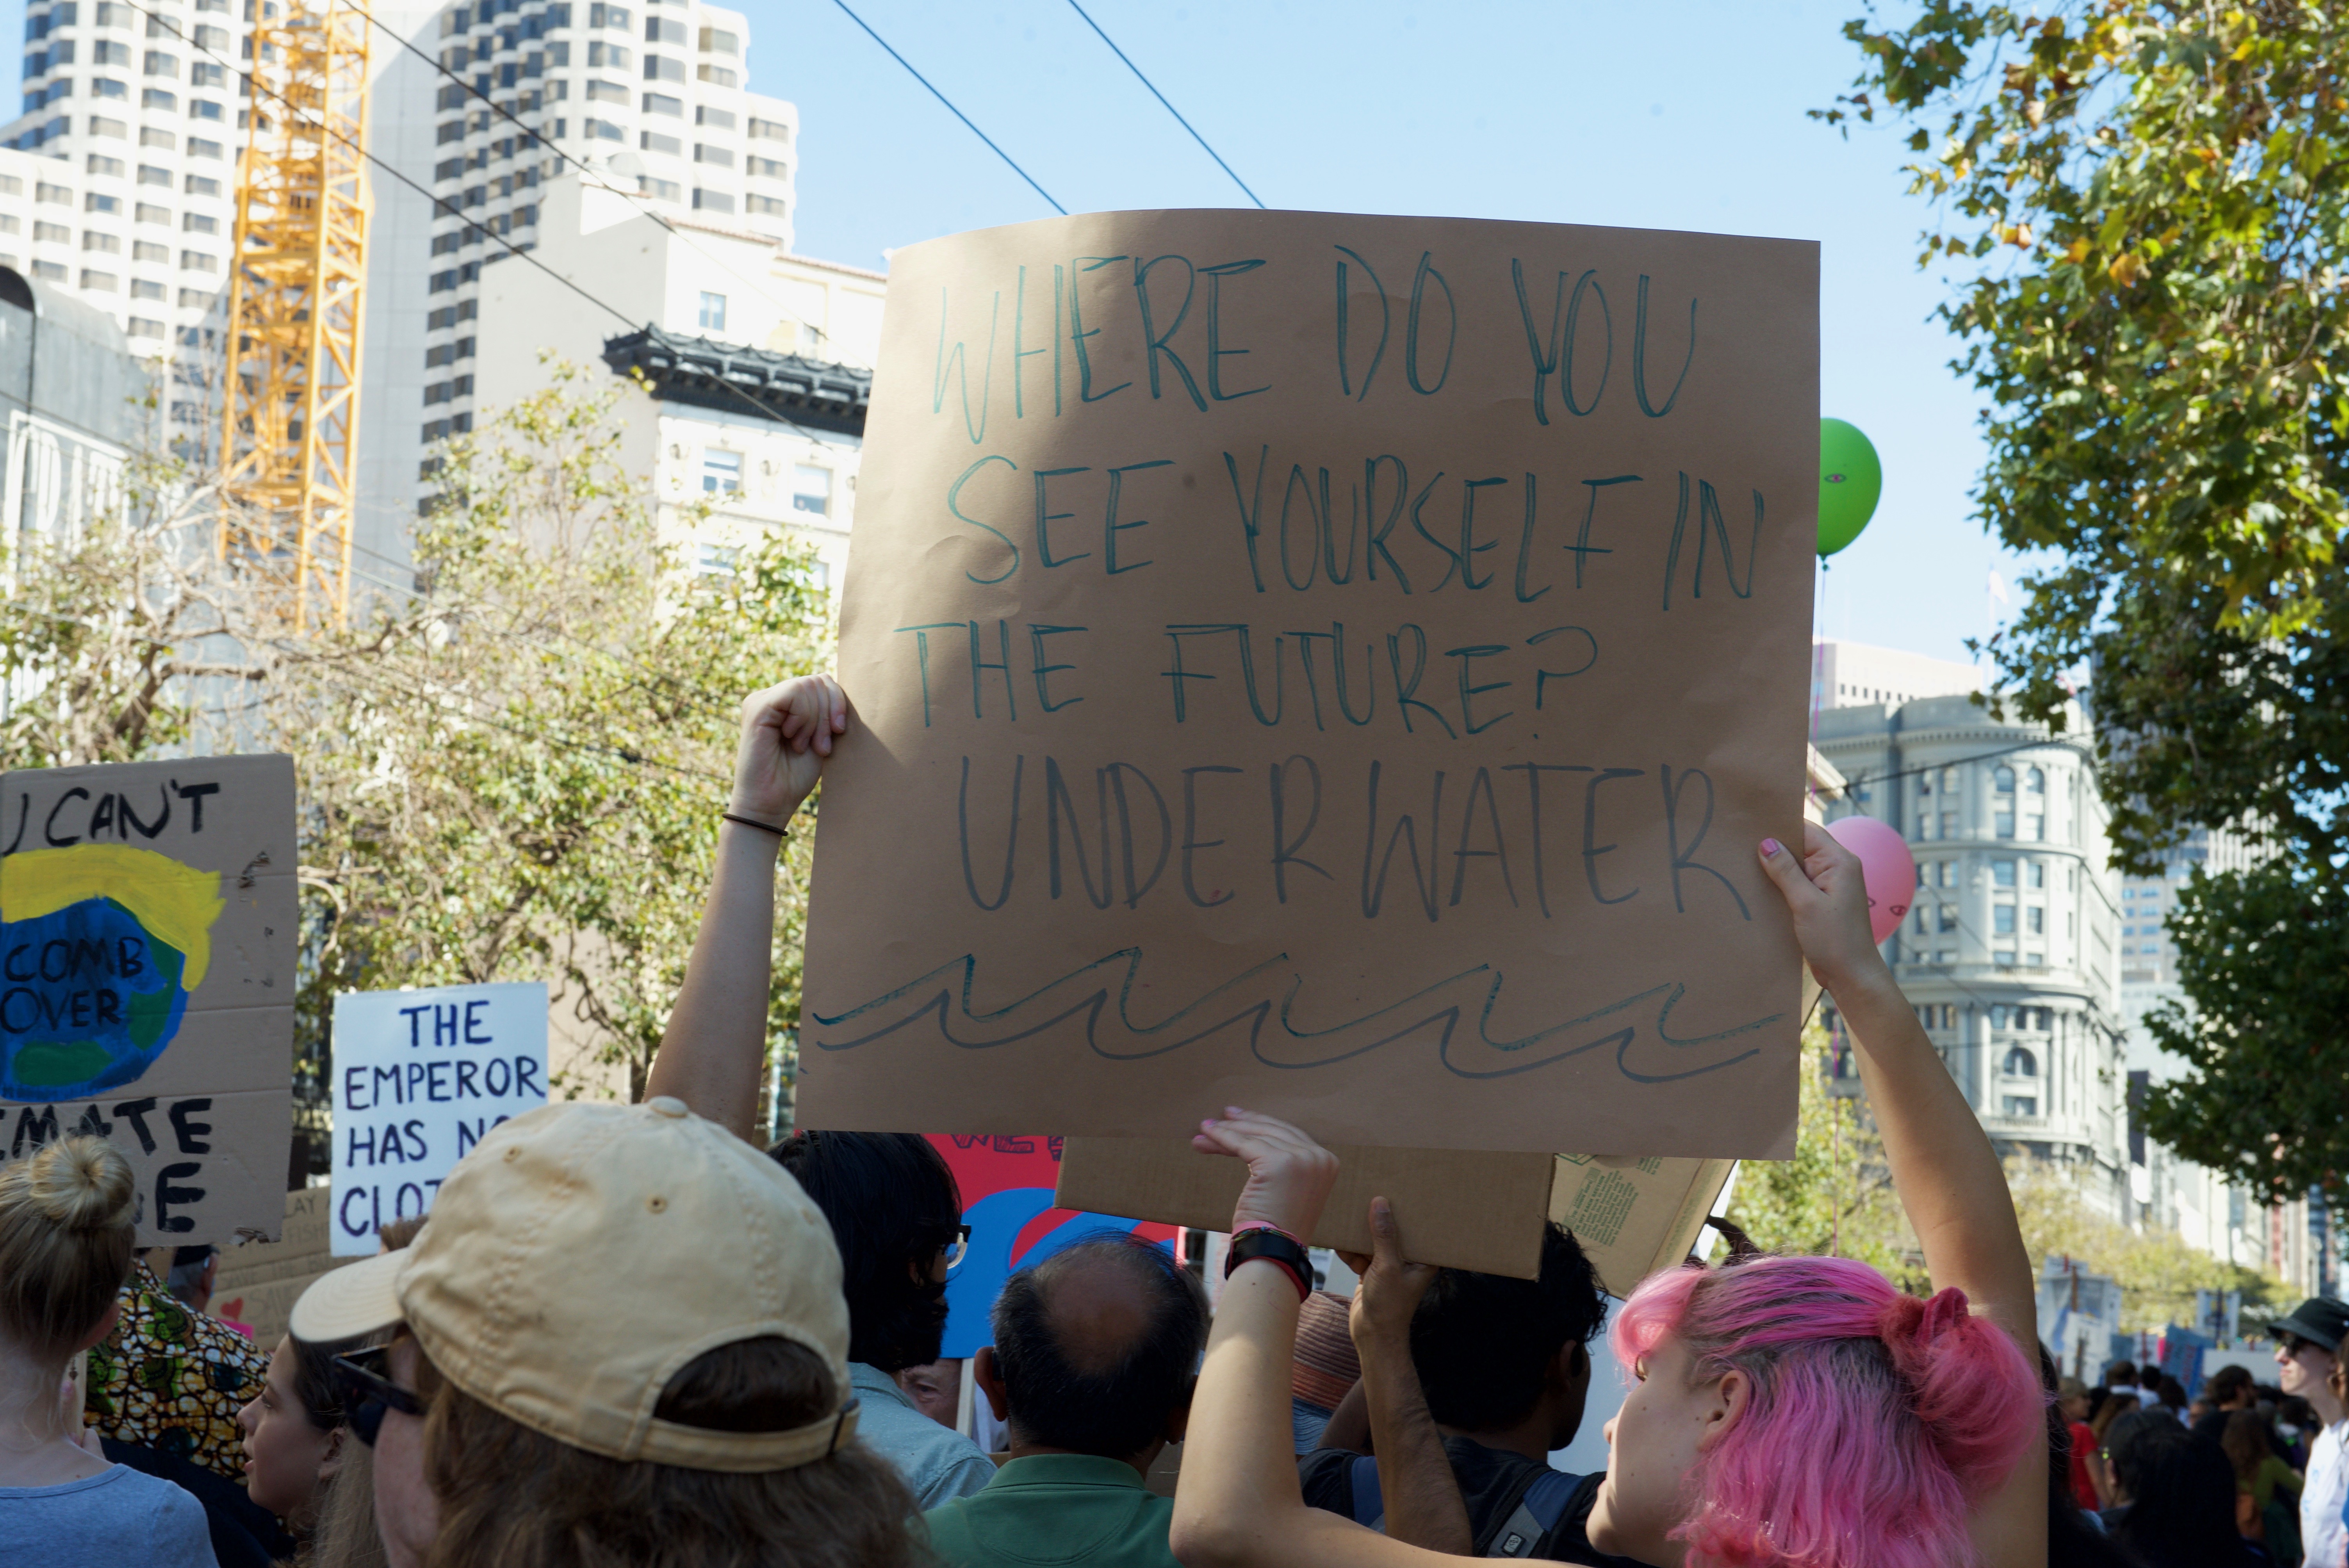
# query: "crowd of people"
x,y
628,1338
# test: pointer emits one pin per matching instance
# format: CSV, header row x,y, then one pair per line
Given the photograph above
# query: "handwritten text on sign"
x,y
147,977
1334,664
419,1077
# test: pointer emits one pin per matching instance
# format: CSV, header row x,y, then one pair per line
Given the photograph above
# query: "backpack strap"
x,y
1369,1507
1538,1513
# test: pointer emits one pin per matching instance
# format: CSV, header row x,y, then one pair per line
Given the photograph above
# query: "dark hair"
x,y
515,1498
2184,1515
2121,1375
2072,1541
315,1383
1481,1341
2136,1442
2245,1438
1113,1402
2172,1392
892,1204
2226,1383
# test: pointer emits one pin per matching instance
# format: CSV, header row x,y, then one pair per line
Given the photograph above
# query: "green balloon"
x,y
1851,481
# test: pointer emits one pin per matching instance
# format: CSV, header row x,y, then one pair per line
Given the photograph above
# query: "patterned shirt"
x,y
171,1378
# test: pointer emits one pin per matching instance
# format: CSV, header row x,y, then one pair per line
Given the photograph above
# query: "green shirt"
x,y
1052,1508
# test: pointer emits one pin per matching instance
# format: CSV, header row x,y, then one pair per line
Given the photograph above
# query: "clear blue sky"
x,y
1664,115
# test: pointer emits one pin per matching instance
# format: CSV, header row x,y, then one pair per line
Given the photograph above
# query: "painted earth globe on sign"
x,y
100,947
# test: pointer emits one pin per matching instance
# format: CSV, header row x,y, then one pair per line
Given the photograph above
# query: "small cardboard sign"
x,y
259,1282
147,975
1634,1216
420,1077
1332,663
1460,1208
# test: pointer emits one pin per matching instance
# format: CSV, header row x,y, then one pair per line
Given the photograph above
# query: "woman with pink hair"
x,y
1789,1412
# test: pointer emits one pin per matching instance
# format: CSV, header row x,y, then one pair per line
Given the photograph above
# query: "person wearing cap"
x,y
2308,1344
690,1406
1090,1372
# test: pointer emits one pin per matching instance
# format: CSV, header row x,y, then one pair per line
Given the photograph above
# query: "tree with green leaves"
x,y
516,772
2147,207
512,772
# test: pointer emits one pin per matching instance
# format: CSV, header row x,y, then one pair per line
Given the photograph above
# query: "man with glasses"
x,y
898,1220
2308,1345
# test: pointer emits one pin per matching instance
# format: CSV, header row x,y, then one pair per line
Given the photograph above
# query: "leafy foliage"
x,y
2149,202
2157,1270
516,774
512,773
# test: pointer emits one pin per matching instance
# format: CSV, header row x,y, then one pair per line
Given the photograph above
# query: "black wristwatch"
x,y
1274,1246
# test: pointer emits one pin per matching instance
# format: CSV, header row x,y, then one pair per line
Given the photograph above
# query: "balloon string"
x,y
1818,676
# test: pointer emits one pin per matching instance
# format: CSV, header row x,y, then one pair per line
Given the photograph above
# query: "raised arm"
x,y
1943,1168
1238,1504
1424,1505
713,1052
1947,1175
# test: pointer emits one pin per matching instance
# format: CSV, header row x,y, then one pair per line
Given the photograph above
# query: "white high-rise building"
x,y
649,95
133,120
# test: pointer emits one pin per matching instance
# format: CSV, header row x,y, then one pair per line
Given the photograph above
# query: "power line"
x,y
1161,97
942,97
765,409
634,197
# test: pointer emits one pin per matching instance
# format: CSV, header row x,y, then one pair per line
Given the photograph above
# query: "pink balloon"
x,y
1887,869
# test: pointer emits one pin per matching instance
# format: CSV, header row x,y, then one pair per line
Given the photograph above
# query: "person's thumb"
x,y
1386,1239
1784,868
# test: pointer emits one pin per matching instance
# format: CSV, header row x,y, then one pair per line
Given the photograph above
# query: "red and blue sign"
x,y
1006,1201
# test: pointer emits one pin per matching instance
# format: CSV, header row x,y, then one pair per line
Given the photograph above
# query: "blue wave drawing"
x,y
1637,1026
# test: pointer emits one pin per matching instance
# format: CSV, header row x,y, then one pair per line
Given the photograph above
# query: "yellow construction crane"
x,y
296,311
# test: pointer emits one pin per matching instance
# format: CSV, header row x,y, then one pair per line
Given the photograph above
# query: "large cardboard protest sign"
x,y
1333,665
147,953
420,1077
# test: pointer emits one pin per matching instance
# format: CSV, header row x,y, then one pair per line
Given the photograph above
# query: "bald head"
x,y
1097,1345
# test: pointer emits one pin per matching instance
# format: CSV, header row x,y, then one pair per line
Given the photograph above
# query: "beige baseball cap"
x,y
582,1254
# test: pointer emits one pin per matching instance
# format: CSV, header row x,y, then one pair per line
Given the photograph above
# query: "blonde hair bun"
x,y
81,1184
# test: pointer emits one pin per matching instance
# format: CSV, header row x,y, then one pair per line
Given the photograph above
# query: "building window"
x,y
143,288
770,168
199,223
716,76
660,189
2001,779
661,69
717,157
196,299
2038,874
106,281
712,201
150,175
2036,782
92,240
603,129
2001,874
158,99
721,117
2003,824
654,141
2026,1105
662,30
721,472
100,163
52,233
2036,920
661,103
812,488
201,185
94,202
143,327
2002,919
2020,1063
197,262
2034,827
769,129
713,311
1948,824
714,42
159,64
605,92
147,250
767,206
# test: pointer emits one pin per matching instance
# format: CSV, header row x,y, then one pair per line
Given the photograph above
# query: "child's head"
x,y
1802,1410
65,1234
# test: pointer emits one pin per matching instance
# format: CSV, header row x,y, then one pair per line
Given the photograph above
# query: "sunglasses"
x,y
2294,1345
364,1378
957,1246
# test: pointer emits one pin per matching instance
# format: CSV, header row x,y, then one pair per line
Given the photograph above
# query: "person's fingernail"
x,y
1769,846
